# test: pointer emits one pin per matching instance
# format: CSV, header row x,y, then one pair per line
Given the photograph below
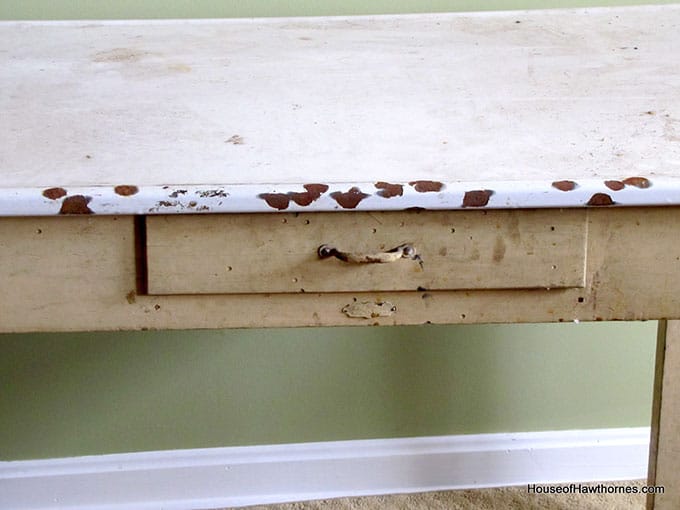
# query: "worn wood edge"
x,y
153,313
656,408
137,199
664,462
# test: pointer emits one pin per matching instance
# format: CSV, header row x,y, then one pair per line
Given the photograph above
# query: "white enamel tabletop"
x,y
552,108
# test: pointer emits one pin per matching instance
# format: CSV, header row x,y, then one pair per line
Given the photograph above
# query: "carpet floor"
x,y
482,499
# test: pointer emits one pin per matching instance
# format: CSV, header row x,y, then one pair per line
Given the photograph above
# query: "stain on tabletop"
x,y
235,140
118,55
179,68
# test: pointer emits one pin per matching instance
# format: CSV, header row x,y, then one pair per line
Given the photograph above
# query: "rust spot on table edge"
x,y
638,182
54,193
600,199
281,201
126,190
349,199
388,190
77,204
477,198
313,193
564,185
426,186
614,185
278,201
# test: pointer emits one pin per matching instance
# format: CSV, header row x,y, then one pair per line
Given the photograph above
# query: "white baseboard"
x,y
239,476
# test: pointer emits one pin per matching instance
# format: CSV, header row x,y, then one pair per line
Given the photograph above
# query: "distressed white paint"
x,y
476,101
225,477
247,197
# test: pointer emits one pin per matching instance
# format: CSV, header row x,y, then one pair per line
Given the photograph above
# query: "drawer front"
x,y
277,253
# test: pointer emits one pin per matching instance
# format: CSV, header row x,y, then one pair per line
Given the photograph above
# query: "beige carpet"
x,y
481,499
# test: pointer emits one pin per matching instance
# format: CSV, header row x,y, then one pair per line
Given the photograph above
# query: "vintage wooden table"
x,y
463,168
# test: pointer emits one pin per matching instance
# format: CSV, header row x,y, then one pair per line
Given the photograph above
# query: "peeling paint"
x,y
77,204
369,309
278,201
388,190
281,201
638,182
212,193
177,198
54,193
477,198
564,185
614,185
600,199
166,203
427,186
313,193
406,251
350,199
126,190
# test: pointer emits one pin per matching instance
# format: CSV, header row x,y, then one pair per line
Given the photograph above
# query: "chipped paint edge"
x,y
126,198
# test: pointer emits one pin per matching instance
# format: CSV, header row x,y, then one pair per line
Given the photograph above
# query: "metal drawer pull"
x,y
403,251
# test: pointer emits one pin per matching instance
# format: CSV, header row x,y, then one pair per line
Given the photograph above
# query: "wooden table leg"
x,y
664,452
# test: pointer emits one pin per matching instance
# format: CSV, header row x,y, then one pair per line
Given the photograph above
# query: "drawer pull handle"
x,y
403,251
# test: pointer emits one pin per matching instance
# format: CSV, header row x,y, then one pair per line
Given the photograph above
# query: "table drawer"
x,y
277,253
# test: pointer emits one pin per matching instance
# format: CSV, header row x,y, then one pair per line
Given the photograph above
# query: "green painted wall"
x,y
94,393
93,9
89,393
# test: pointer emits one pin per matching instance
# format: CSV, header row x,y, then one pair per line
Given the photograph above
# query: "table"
x,y
449,168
